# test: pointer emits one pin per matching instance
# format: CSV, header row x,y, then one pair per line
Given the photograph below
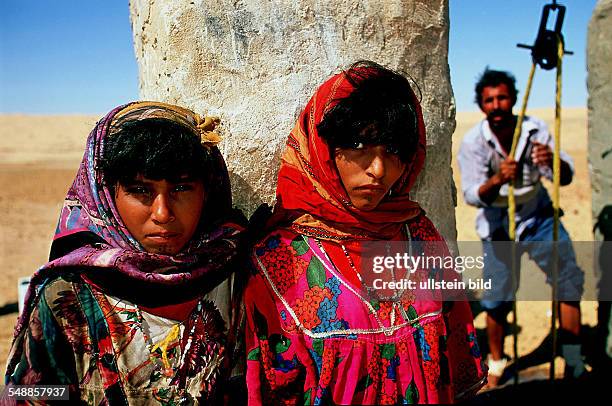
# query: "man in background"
x,y
486,171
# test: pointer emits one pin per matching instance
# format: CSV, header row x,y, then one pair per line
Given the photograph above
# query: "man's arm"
x,y
473,164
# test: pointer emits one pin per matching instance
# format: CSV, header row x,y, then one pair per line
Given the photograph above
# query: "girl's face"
x,y
368,172
161,215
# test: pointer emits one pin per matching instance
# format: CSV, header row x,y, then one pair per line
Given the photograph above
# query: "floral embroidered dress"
x,y
110,350
117,324
313,336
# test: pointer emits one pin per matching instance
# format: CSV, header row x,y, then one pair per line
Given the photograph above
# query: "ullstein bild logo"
x,y
432,284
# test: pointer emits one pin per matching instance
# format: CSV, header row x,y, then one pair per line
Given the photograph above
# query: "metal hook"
x,y
544,49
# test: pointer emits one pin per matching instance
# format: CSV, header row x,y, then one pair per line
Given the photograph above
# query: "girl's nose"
x,y
377,165
161,212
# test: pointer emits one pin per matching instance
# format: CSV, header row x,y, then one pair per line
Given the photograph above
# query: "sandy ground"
x,y
39,156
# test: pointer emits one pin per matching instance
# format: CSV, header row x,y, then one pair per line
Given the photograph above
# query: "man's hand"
x,y
541,155
507,171
490,189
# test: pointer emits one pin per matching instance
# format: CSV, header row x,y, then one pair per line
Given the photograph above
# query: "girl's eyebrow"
x,y
185,178
145,182
134,182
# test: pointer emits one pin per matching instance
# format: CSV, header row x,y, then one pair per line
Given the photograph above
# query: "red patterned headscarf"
x,y
310,193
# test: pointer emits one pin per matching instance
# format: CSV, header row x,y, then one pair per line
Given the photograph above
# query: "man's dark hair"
x,y
154,148
493,78
380,111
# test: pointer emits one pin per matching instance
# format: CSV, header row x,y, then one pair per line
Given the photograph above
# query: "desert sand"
x,y
39,156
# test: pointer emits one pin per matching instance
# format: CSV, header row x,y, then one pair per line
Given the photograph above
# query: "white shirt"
x,y
480,157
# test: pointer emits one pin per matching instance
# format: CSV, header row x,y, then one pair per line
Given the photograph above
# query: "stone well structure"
x,y
599,64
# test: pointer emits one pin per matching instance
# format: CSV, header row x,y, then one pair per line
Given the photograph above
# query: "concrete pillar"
x,y
599,62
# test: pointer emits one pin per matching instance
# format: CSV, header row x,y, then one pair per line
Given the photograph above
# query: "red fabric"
x,y
309,183
179,311
355,251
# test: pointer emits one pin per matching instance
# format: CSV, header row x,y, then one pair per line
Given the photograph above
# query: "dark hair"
x,y
154,148
495,78
380,110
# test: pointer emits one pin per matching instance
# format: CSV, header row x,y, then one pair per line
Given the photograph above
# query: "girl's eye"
x,y
358,145
137,190
393,150
185,187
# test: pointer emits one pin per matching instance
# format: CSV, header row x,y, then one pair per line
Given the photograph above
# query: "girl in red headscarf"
x,y
315,332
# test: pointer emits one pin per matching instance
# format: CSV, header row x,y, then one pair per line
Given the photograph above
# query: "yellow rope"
x,y
555,199
515,138
512,221
556,205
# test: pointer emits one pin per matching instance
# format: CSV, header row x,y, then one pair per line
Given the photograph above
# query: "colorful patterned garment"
x,y
312,335
120,325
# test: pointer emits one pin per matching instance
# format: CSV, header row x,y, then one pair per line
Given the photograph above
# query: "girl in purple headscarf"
x,y
138,300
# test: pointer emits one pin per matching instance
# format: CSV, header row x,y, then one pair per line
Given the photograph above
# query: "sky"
x,y
485,33
76,56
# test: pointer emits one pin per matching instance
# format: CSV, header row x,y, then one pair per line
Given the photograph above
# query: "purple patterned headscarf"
x,y
92,240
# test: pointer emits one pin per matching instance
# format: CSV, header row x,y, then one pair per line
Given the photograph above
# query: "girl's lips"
x,y
370,189
162,237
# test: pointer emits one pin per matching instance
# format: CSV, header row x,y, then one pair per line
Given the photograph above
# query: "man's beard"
x,y
499,118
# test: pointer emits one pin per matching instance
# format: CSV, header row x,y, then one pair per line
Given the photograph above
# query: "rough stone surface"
x,y
257,63
599,59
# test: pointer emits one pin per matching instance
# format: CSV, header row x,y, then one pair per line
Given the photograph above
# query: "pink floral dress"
x,y
313,338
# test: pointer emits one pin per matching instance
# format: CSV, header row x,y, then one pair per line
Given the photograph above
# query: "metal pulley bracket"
x,y
544,51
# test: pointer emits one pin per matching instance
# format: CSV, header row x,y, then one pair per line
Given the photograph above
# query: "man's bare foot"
x,y
492,381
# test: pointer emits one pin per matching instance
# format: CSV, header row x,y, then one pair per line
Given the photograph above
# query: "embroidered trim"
x,y
388,331
317,233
